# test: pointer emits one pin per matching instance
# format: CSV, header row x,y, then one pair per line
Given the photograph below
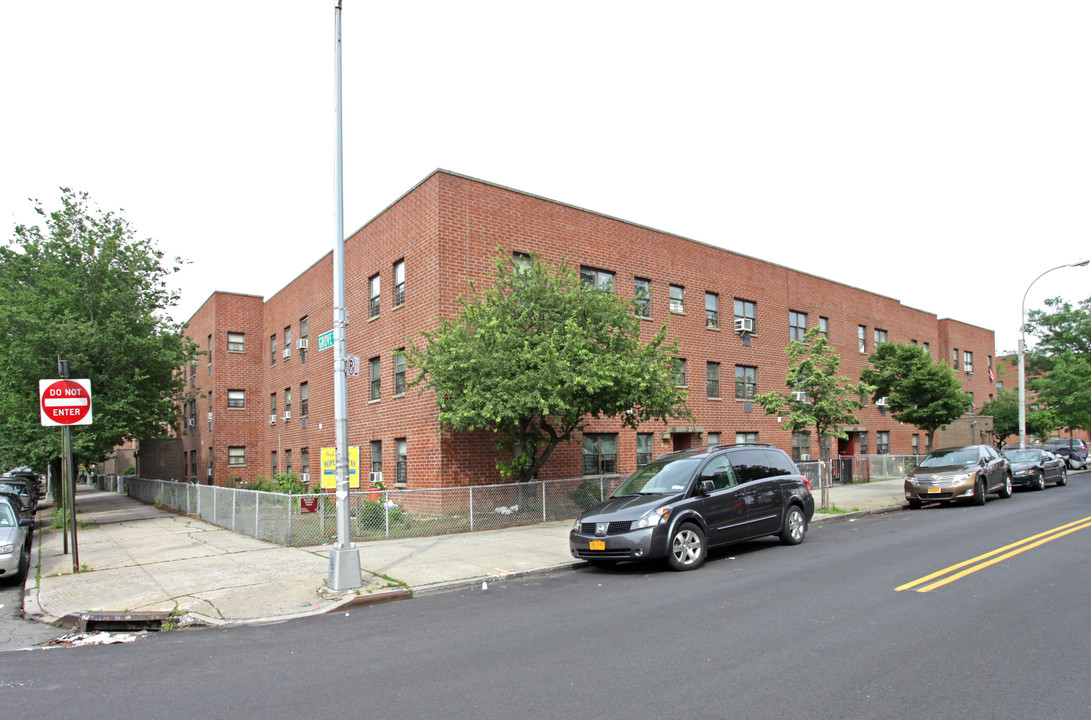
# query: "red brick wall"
x,y
446,229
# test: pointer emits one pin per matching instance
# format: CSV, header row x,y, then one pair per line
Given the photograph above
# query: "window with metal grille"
x,y
373,306
677,299
599,454
713,373
680,372
399,372
376,456
644,450
882,442
746,382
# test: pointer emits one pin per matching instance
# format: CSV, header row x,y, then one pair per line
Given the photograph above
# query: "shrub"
x,y
586,494
373,515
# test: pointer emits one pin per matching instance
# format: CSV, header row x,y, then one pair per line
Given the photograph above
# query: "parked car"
x,y
14,531
970,472
685,502
1034,467
1073,450
19,489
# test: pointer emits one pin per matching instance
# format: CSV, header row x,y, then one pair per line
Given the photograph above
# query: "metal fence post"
x,y
543,501
471,508
257,514
288,540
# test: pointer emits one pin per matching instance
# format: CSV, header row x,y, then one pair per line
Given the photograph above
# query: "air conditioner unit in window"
x,y
210,472
210,417
192,422
287,414
799,396
301,343
304,478
287,352
881,402
375,477
744,325
273,419
804,458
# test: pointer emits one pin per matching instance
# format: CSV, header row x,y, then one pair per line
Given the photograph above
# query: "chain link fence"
x,y
303,520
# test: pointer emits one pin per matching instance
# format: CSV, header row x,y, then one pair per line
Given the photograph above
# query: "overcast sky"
x,y
935,152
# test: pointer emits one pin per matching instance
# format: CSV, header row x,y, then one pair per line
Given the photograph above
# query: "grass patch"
x,y
834,510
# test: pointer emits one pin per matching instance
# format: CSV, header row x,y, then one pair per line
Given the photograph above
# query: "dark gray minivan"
x,y
685,502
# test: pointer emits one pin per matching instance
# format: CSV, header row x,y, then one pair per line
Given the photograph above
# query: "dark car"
x,y
1072,450
685,502
970,472
1035,467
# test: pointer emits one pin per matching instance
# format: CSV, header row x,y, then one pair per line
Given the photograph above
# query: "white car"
x,y
13,541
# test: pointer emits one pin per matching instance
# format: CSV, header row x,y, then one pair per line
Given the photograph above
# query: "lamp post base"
x,y
345,569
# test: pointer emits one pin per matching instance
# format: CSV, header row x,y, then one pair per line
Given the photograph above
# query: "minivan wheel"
x,y
1005,492
795,526
688,547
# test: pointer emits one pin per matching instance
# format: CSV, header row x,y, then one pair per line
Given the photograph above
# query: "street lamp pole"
x,y
1023,353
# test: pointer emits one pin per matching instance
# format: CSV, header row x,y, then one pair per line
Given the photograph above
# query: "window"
x,y
377,456
193,373
275,468
287,462
272,406
954,358
304,392
303,339
880,336
718,471
644,450
599,454
236,398
680,372
373,308
305,464
713,374
287,342
287,404
824,327
210,355
714,438
863,443
400,460
797,325
376,385
678,299
745,309
712,311
928,347
399,372
882,442
597,279
273,349
642,297
916,444
801,446
522,262
968,361
746,438
999,385
235,456
746,382
399,283
861,338
236,342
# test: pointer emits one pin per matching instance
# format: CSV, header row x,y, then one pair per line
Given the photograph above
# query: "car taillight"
x,y
807,483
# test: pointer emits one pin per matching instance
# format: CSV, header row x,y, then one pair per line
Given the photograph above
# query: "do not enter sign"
x,y
65,402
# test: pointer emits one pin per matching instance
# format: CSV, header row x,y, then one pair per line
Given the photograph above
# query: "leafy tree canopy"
x,y
918,391
535,354
81,287
1004,411
1062,360
830,399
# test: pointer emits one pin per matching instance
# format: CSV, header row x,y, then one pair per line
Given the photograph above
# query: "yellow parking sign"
x,y
329,468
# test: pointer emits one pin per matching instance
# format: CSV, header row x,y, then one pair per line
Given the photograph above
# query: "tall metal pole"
x,y
344,556
68,479
1023,352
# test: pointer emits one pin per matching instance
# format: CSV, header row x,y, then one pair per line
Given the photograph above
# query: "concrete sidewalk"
x,y
135,558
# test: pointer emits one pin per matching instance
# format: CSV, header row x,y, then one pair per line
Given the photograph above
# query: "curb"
x,y
467,583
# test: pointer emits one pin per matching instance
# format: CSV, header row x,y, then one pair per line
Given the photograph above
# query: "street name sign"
x,y
65,402
325,340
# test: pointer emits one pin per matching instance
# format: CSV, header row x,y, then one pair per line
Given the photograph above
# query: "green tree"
x,y
817,397
1004,411
1061,360
535,354
917,391
80,286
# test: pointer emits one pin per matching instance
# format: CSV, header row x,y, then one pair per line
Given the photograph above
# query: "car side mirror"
x,y
707,487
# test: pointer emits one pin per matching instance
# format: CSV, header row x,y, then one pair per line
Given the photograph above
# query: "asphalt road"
x,y
762,631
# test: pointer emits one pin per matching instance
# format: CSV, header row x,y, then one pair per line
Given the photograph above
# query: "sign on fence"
x,y
329,468
308,504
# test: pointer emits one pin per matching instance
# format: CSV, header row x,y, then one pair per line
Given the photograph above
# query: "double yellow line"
x,y
981,562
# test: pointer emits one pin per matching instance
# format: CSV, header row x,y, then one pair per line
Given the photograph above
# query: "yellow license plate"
x,y
598,544
933,490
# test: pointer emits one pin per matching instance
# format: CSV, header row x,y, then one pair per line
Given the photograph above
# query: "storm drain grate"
x,y
117,621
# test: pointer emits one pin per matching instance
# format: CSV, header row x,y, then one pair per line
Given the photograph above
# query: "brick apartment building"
x,y
266,389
